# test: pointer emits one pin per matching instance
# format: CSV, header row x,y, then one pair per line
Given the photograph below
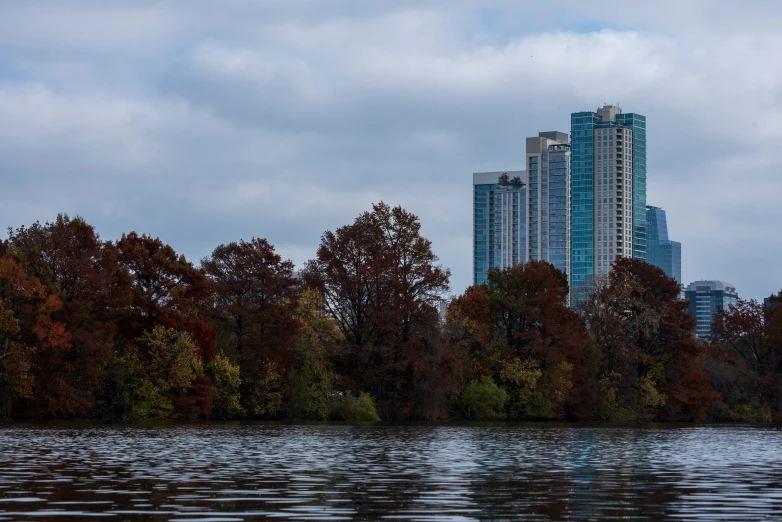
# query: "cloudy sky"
x,y
284,118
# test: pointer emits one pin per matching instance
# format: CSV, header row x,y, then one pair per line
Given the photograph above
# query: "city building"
x,y
608,192
520,216
706,297
548,219
499,221
661,251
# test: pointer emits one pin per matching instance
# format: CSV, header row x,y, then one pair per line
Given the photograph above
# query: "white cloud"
x,y
284,119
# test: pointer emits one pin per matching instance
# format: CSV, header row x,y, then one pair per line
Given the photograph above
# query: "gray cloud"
x,y
282,119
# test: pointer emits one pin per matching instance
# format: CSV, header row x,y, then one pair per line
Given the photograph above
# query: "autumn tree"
x,y
647,361
381,282
542,340
256,303
68,257
167,290
33,346
749,376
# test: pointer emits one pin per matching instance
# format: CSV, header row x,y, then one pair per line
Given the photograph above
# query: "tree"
x,y
647,362
69,259
227,382
256,303
163,368
380,281
753,333
484,400
542,339
314,379
32,344
504,180
747,328
168,291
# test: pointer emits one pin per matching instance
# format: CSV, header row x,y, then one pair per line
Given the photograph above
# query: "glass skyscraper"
x,y
706,297
608,191
520,216
499,221
548,167
661,251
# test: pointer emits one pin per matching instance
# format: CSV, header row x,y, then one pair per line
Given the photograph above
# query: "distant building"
x,y
548,218
661,251
608,190
499,222
524,215
706,297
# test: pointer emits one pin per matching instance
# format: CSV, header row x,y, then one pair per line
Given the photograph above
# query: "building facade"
x,y
548,219
660,250
706,297
608,192
499,221
519,216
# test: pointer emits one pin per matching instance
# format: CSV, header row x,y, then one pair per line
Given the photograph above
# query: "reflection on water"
x,y
327,472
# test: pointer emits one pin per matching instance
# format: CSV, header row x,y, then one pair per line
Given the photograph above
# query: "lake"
x,y
226,472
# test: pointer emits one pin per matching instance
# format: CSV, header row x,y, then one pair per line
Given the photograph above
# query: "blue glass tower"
x,y
661,251
499,221
548,169
608,194
706,297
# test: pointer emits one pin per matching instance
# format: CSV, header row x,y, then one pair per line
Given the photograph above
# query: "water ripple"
x,y
330,472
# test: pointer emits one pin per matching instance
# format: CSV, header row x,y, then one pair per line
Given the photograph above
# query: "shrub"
x,y
484,400
360,408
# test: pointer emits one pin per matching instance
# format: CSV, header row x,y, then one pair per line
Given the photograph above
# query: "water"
x,y
332,472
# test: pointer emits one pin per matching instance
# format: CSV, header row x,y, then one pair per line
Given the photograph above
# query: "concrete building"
x,y
524,215
706,297
661,251
608,192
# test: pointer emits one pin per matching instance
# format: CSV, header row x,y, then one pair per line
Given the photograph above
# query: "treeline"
x,y
132,330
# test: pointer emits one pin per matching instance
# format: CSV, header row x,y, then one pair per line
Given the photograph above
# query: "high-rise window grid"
x,y
608,189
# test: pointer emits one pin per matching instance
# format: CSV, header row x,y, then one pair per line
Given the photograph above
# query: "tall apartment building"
x,y
706,297
499,221
608,191
520,216
661,251
548,168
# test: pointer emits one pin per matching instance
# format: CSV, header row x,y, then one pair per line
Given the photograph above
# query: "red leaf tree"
x,y
382,283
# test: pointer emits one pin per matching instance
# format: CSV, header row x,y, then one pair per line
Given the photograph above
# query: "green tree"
x,y
355,408
314,378
263,391
161,369
482,399
227,382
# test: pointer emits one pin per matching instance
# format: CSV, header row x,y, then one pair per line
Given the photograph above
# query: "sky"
x,y
205,122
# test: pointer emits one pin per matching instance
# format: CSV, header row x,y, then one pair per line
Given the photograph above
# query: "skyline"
x,y
284,120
